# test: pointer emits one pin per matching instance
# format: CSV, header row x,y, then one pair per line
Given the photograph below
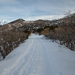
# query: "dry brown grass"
x,y
45,31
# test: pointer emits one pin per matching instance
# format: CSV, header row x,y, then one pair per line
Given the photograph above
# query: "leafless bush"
x,y
65,32
10,40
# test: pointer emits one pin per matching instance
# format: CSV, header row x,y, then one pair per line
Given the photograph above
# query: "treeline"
x,y
64,31
10,40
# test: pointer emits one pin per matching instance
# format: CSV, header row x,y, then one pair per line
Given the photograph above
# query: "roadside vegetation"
x,y
11,39
63,31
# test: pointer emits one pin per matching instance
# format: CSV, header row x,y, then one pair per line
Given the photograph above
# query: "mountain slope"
x,y
12,25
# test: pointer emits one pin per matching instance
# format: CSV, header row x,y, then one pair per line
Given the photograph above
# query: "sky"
x,y
35,9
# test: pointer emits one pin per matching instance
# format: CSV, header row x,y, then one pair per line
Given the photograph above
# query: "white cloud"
x,y
34,9
46,17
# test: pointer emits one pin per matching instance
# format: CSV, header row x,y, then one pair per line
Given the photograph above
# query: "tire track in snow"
x,y
54,69
24,70
14,67
46,68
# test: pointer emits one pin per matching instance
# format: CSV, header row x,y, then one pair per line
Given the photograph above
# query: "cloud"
x,y
8,1
35,9
7,18
69,4
45,17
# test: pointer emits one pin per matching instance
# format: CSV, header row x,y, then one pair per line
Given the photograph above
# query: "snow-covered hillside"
x,y
37,56
3,22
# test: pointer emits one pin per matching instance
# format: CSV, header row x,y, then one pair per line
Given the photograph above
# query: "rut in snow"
x,y
38,56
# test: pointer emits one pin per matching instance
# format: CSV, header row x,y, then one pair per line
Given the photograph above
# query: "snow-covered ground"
x,y
38,56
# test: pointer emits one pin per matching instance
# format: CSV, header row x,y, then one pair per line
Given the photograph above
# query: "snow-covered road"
x,y
38,56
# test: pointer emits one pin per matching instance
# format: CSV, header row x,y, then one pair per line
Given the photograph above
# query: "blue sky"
x,y
34,9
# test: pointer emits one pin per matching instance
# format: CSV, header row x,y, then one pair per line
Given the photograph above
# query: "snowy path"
x,y
38,56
